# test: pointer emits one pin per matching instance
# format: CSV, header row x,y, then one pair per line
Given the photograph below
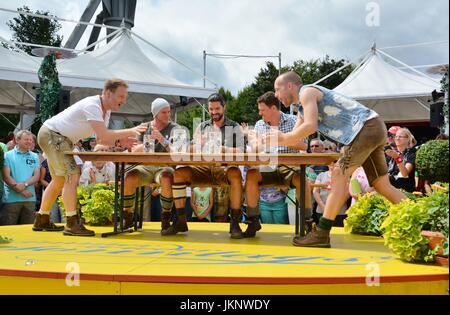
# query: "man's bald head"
x,y
287,86
290,77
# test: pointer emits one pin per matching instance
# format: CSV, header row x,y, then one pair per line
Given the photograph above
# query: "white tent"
x,y
397,95
86,74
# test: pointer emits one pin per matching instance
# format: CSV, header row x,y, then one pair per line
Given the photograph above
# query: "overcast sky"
x,y
298,29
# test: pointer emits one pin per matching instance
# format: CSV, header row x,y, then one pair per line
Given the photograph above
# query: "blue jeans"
x,y
274,213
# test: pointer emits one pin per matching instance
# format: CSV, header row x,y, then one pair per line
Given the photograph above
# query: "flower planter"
x,y
441,261
437,239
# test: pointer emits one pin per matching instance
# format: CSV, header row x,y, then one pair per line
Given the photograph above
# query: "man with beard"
x,y
232,142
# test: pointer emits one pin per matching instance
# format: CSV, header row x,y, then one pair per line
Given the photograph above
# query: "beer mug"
x,y
149,144
179,141
214,142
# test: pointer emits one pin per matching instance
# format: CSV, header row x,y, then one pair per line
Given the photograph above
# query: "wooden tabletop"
x,y
209,159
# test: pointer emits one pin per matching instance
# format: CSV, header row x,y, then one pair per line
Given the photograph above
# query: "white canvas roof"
x,y
86,74
397,95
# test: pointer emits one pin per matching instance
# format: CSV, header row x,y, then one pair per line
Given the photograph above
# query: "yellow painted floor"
x,y
205,258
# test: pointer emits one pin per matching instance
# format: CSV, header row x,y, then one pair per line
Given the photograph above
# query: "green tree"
x,y
315,69
34,30
186,117
244,108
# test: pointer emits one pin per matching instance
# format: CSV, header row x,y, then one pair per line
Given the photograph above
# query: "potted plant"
x,y
411,225
367,214
436,229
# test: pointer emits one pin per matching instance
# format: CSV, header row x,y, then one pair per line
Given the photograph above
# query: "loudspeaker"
x,y
436,118
63,101
184,100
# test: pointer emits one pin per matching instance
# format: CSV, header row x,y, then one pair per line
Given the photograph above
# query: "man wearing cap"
x,y
59,133
159,129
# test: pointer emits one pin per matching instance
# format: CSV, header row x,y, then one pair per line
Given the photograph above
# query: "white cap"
x,y
159,104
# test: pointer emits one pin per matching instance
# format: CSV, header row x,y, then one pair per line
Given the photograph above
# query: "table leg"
x,y
302,199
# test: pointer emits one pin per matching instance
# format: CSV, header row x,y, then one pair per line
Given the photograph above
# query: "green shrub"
x,y
95,208
100,208
432,161
402,228
437,204
366,215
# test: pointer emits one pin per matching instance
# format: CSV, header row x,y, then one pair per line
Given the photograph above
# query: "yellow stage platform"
x,y
206,261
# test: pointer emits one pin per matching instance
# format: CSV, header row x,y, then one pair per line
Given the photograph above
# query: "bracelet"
x,y
398,160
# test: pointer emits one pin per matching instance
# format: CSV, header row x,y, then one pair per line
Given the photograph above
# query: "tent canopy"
x,y
397,95
85,75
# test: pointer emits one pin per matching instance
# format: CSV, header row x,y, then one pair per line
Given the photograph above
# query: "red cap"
x,y
393,130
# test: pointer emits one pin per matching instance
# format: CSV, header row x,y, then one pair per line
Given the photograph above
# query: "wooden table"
x,y
196,159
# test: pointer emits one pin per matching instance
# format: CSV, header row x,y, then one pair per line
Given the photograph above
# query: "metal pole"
x,y
279,63
204,82
204,68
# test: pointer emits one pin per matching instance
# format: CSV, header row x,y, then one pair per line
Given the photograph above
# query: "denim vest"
x,y
340,118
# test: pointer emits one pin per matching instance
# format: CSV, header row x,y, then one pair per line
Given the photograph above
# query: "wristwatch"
x,y
25,184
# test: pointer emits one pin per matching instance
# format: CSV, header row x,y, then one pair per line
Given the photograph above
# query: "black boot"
x,y
253,222
128,220
180,224
235,229
165,220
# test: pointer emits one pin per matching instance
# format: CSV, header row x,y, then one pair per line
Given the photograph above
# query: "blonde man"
x,y
58,134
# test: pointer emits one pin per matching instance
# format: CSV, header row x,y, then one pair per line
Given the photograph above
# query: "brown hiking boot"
x,y
165,220
75,228
42,223
253,226
316,238
180,225
128,220
235,229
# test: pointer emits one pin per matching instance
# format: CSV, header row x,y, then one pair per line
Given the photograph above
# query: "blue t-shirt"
x,y
22,167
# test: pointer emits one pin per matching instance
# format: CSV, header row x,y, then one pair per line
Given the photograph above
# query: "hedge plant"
x,y
432,161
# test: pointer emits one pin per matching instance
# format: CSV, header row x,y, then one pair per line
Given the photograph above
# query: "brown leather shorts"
x,y
367,150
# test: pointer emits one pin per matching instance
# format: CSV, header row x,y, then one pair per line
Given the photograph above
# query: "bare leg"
x,y
235,179
384,187
69,194
51,193
337,196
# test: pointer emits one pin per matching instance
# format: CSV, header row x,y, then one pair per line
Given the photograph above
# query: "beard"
x,y
217,117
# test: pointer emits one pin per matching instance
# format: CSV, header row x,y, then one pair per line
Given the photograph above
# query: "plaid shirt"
x,y
287,123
